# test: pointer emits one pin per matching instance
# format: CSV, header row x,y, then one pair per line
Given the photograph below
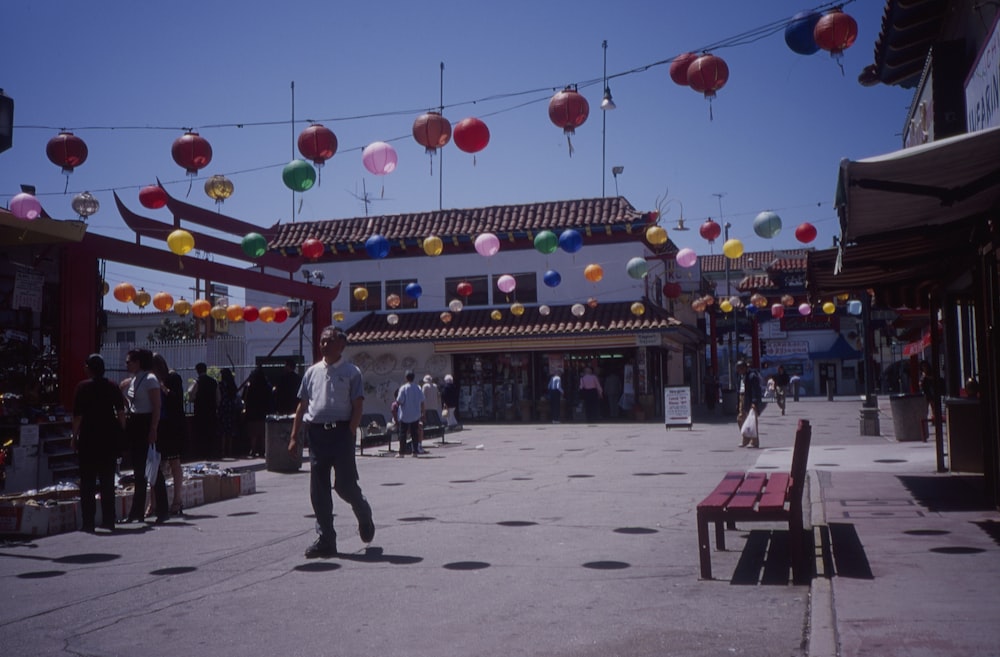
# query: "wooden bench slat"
x,y
746,496
776,493
720,496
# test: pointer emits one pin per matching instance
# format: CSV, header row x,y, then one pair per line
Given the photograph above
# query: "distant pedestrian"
x,y
591,394
258,402
204,395
613,393
229,411
142,392
449,399
555,396
411,415
331,401
930,388
172,432
781,381
286,389
432,396
750,399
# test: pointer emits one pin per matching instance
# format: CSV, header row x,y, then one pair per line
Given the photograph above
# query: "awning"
x,y
840,350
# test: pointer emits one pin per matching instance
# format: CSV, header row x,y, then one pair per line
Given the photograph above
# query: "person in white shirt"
x,y
411,415
555,396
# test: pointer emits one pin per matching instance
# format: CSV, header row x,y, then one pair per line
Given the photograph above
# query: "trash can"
x,y
909,416
965,435
277,433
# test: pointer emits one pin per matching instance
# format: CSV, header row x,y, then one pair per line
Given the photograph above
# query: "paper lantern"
x,y
506,283
687,257
67,151
568,110
393,300
707,74
250,313
414,290
570,240
496,315
732,249
516,309
392,318
805,232
312,248
835,32
758,300
544,310
735,301
180,242
234,312
85,205
142,298
360,293
471,135
672,289
201,308
192,152
298,175
153,197
725,306
638,309
218,188
777,311
829,308
767,224
679,68
854,307
455,306
637,267
433,245
799,33
377,246
432,131
105,288
280,315
218,311
124,292
710,230
656,235
266,314
162,301
546,242
337,316
552,278
464,289
578,309
317,143
182,307
26,207
254,245
379,158
487,244
592,302
805,309
593,273
446,317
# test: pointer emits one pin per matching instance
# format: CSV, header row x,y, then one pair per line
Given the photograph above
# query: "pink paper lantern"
x,y
487,244
687,257
805,309
25,206
379,158
506,283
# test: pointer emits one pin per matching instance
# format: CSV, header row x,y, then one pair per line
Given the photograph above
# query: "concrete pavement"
x,y
569,539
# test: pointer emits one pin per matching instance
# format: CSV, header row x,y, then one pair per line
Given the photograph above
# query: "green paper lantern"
x,y
546,242
298,175
254,245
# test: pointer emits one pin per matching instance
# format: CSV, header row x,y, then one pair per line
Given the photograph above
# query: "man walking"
x,y
555,396
331,399
411,415
750,398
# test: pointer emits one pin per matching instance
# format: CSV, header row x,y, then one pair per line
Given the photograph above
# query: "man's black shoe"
x,y
321,548
366,529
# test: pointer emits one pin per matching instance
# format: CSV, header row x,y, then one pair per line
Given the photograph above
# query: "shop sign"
x,y
779,348
982,87
677,406
28,290
648,340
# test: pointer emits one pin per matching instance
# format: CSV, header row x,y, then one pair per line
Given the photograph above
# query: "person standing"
x,y
258,398
449,399
555,396
930,390
781,381
613,393
286,389
204,394
750,398
142,393
331,400
591,394
411,415
98,419
432,397
172,431
229,412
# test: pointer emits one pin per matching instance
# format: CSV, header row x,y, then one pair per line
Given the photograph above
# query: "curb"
x,y
822,616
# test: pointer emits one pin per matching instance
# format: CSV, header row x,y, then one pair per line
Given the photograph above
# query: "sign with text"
x,y
677,406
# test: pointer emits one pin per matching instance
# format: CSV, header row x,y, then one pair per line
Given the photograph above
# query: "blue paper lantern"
x,y
570,241
799,33
377,246
552,278
767,225
414,290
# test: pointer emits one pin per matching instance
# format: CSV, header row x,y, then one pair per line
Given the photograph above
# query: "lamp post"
x,y
606,104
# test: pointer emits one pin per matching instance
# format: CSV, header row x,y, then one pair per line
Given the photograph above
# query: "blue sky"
x,y
128,77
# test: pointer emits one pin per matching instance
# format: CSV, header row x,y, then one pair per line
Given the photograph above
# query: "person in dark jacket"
x,y
172,432
449,400
204,394
98,421
258,401
750,398
286,389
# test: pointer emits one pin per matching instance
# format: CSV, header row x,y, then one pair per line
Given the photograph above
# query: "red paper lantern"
x,y
66,150
192,152
707,74
280,315
568,110
432,131
464,289
471,135
250,313
671,290
317,143
679,68
312,248
153,197
805,233
835,32
710,230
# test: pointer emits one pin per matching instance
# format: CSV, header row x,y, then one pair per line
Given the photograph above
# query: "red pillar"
x,y
79,304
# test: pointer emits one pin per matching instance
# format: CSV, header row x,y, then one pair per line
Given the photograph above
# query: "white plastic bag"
x,y
749,428
152,464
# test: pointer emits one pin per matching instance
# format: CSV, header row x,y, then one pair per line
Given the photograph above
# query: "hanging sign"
x,y
28,286
677,406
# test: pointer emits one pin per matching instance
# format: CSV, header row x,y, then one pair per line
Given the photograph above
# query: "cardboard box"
x,y
65,516
34,520
229,487
193,493
248,482
10,519
211,484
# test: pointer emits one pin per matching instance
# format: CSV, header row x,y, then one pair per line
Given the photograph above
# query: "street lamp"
x,y
606,104
615,171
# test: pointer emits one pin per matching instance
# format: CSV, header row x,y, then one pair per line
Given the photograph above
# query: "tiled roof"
x,y
756,282
476,324
909,29
791,260
600,219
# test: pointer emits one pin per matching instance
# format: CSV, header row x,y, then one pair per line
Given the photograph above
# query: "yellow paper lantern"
x,y
180,241
182,307
163,301
360,293
758,300
656,235
201,308
142,298
218,311
433,245
725,306
496,315
638,309
124,292
732,249
338,316
218,188
517,309
234,313
105,288
829,308
266,314
593,273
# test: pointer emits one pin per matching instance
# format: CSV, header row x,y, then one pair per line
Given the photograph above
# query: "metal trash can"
x,y
277,433
909,416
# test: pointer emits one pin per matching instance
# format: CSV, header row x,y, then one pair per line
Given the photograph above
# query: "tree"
x,y
171,330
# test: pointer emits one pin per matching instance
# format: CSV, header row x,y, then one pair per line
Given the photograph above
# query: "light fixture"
x,y
608,103
294,307
680,225
614,172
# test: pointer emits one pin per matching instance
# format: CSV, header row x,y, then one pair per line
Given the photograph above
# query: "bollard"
x,y
829,390
795,391
869,422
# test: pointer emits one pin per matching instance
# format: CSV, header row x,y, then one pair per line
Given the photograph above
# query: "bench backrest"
x,y
800,458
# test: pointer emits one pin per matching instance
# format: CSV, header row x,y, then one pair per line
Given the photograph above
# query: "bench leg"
x,y
720,536
704,548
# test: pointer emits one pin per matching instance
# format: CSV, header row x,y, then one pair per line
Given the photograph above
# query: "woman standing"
x,y
258,400
142,392
98,419
228,410
172,429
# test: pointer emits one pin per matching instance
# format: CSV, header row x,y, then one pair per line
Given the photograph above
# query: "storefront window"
x,y
373,300
480,290
399,289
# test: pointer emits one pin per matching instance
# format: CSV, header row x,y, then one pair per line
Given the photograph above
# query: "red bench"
x,y
758,497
